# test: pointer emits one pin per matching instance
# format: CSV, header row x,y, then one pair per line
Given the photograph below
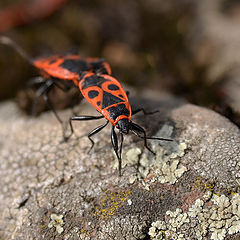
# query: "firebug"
x,y
107,96
62,71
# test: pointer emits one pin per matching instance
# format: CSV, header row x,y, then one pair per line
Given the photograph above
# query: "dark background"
x,y
154,44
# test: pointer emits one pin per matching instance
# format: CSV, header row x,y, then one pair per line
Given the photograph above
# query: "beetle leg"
x,y
46,99
36,80
43,89
94,131
140,129
62,85
80,118
114,140
120,152
46,86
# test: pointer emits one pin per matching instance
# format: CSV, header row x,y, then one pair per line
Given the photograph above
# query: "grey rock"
x,y
55,190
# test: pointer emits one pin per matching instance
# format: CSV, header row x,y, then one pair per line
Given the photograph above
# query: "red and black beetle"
x,y
107,96
59,70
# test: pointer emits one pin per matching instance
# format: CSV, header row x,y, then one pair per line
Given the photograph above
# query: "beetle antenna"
x,y
158,138
154,138
7,41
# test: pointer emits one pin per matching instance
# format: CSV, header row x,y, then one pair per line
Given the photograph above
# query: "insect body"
x,y
69,67
102,91
108,97
62,71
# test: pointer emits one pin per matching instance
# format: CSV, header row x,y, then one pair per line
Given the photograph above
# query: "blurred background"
x,y
189,48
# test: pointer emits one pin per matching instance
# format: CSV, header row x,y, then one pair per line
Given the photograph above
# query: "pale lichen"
x,y
218,219
129,202
164,167
170,230
57,222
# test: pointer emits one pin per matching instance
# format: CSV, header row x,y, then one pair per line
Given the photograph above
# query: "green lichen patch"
x,y
217,220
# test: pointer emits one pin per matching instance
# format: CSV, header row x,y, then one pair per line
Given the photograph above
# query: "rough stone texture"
x,y
214,145
41,177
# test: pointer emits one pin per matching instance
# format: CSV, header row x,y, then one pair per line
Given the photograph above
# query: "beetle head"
x,y
123,125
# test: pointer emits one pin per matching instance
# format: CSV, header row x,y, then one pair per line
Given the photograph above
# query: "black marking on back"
x,y
117,111
75,65
109,99
92,94
113,87
93,81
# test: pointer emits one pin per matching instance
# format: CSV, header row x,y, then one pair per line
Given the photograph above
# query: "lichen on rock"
x,y
217,220
41,176
164,167
57,222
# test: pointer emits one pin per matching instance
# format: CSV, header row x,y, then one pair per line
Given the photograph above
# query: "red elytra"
x,y
107,96
102,91
69,67
59,70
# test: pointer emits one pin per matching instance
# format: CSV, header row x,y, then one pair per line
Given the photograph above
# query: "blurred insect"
x,y
26,12
108,97
62,71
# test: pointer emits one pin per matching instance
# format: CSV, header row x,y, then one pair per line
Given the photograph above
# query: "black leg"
x,y
80,118
94,131
62,85
65,87
46,99
36,80
114,140
140,129
44,88
120,153
86,118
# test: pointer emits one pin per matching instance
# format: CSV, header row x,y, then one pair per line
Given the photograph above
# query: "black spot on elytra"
x,y
92,94
113,87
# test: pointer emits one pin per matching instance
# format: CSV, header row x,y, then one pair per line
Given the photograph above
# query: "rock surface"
x,y
55,190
